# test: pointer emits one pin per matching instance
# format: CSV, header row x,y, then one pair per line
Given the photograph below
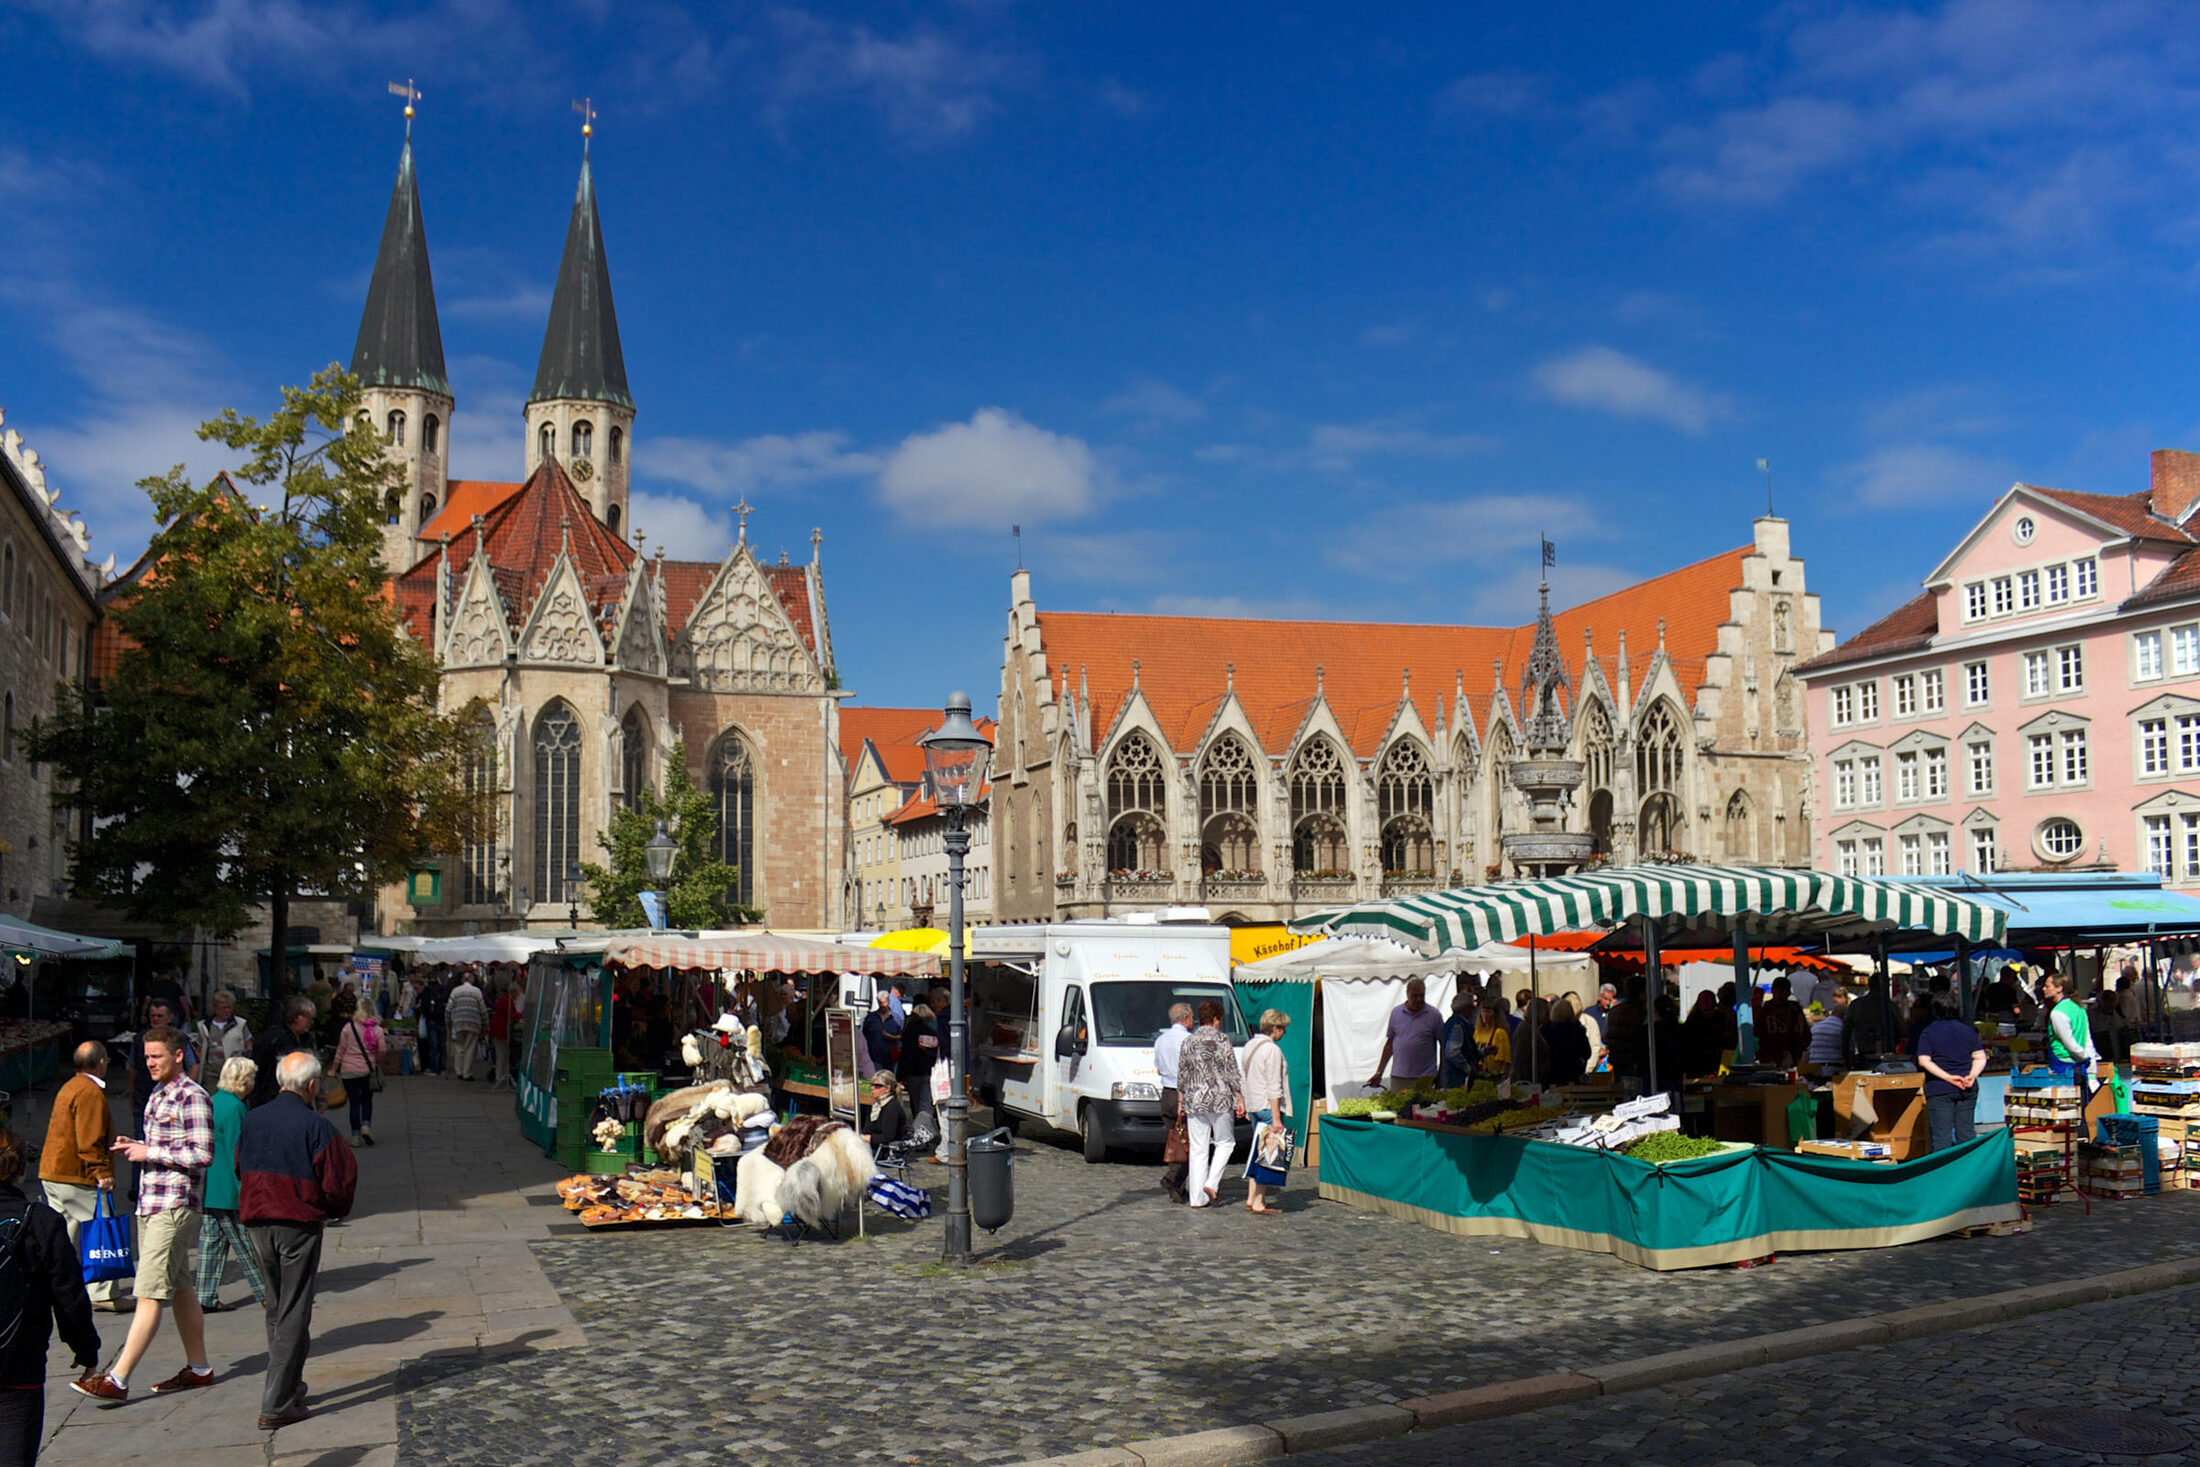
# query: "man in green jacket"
x,y
2069,1035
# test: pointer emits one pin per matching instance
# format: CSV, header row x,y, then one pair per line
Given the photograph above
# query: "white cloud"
x,y
686,530
219,45
994,470
769,461
1610,381
1155,401
927,85
1907,475
1489,531
1338,445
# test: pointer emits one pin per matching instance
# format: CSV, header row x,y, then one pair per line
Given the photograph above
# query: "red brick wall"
x,y
798,873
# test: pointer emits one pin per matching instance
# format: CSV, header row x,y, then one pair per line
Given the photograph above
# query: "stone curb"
x,y
1232,1445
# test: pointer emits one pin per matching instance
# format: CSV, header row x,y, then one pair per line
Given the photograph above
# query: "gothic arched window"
x,y
478,873
611,517
733,796
1741,830
431,433
1596,745
1138,806
1405,801
546,442
427,509
1229,808
1658,750
557,802
618,443
1318,844
394,432
633,756
584,439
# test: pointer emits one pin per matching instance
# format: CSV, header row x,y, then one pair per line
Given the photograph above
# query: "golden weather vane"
x,y
586,107
411,94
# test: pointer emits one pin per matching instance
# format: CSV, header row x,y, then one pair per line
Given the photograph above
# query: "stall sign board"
x,y
841,1081
706,1176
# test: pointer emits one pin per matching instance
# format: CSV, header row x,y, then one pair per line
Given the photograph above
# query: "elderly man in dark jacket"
x,y
295,1174
43,1280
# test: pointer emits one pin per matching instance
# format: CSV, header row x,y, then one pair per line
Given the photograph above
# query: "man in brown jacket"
x,y
75,1165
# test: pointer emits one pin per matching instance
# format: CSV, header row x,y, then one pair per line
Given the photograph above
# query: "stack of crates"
x,y
2042,1098
582,1075
2165,1080
2126,1161
2041,1174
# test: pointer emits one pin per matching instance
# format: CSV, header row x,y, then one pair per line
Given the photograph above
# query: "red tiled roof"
x,y
1363,665
792,583
463,499
686,581
522,536
918,806
884,727
2130,513
2175,581
1909,626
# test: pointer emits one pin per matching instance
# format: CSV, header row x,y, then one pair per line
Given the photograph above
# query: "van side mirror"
x,y
1069,1042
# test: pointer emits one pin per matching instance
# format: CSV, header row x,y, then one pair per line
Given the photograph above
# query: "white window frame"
x,y
1913,853
2039,673
1841,707
2005,597
2184,650
1984,839
1974,601
2058,584
2077,757
2187,726
2153,747
1979,766
1844,784
1868,787
1932,691
1867,701
1905,695
2039,761
1939,853
2146,656
2070,668
2085,578
2028,590
1978,684
2158,844
1908,778
1844,854
1936,773
1875,855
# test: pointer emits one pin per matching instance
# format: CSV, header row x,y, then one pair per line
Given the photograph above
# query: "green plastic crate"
x,y
597,1164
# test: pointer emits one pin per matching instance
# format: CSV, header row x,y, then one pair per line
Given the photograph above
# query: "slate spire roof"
x,y
580,350
400,343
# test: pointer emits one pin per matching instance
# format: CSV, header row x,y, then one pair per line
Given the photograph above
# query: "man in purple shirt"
x,y
1413,1036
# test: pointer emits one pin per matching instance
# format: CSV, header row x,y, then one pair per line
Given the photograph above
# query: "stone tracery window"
x,y
733,799
557,802
1229,808
1318,835
1659,752
633,757
1138,806
584,439
478,868
1741,830
1405,801
394,430
546,442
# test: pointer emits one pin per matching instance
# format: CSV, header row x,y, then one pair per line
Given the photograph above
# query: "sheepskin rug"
x,y
820,1168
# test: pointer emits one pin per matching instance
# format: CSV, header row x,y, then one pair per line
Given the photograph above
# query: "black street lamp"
x,y
956,757
659,852
573,879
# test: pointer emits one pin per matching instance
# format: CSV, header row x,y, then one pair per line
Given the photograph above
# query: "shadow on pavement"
x,y
374,1331
357,1275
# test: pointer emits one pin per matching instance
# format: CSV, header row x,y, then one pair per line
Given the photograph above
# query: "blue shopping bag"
x,y
104,1246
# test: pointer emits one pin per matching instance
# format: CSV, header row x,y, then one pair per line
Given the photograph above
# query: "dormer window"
x,y
394,431
584,439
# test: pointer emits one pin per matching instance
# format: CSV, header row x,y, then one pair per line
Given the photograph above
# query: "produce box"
x,y
1872,1151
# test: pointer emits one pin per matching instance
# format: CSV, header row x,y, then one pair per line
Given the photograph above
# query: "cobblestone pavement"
x,y
1951,1399
1105,1314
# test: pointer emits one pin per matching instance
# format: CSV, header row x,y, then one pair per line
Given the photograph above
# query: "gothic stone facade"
x,y
1267,768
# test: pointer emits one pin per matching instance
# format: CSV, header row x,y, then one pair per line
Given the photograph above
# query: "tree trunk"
x,y
278,916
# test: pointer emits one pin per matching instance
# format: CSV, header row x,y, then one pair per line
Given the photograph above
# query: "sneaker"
x,y
101,1387
185,1379
367,1134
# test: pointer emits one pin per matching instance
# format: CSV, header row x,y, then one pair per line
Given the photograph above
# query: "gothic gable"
x,y
560,630
479,635
739,638
639,636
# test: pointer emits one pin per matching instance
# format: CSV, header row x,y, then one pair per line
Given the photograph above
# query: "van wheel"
x,y
1096,1145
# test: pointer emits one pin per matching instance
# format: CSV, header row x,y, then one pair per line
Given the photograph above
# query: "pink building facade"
x,y
2037,707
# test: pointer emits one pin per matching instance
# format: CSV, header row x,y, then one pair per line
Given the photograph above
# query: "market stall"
x,y
32,1047
1582,1195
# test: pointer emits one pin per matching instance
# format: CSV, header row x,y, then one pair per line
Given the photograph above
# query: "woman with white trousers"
x,y
1213,1096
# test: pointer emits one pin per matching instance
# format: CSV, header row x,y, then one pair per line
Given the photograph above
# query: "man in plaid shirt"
x,y
171,1179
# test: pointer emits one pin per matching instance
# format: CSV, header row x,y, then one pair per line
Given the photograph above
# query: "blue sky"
x,y
1253,310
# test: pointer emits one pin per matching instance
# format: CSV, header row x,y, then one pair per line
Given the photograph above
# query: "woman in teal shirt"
x,y
221,1232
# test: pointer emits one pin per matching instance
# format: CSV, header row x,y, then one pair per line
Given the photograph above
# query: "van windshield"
x,y
1133,1013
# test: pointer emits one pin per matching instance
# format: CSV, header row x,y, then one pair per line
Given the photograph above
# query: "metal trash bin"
x,y
992,1193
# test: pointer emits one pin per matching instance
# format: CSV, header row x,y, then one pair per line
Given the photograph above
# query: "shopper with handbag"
x,y
1268,1103
1176,1148
358,1048
77,1165
1213,1090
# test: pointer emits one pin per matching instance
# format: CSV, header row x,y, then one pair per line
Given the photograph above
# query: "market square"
x,y
1204,739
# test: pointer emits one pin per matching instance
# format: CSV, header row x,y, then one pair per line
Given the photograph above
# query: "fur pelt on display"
x,y
826,1165
698,1115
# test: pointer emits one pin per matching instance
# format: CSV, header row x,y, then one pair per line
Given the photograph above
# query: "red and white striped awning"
x,y
767,952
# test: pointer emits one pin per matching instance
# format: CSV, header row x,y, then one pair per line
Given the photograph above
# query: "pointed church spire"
x,y
400,343
581,358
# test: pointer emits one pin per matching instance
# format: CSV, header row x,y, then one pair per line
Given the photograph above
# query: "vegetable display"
x,y
1665,1146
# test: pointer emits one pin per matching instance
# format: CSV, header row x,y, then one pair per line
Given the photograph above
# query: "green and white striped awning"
x,y
1759,903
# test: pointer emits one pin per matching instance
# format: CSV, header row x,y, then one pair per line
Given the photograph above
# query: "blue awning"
x,y
2109,905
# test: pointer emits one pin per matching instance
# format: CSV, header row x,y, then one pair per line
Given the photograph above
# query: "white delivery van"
x,y
1064,1016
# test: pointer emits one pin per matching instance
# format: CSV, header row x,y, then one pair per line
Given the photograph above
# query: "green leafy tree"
x,y
269,728
699,893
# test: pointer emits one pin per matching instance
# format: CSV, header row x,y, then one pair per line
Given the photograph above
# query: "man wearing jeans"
x,y
295,1174
1952,1056
172,1159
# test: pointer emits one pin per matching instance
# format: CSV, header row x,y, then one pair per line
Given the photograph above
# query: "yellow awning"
x,y
912,940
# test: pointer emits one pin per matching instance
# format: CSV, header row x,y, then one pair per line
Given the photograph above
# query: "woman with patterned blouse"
x,y
1213,1093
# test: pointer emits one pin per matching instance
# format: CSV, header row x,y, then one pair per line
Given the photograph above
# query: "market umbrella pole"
x,y
1653,989
1534,992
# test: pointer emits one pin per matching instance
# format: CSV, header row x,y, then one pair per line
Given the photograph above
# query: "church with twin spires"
x,y
580,662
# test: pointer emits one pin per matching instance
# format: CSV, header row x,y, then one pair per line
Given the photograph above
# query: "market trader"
x,y
1952,1056
2070,1036
1414,1035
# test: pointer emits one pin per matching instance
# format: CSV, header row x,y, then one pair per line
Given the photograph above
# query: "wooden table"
x,y
1899,1102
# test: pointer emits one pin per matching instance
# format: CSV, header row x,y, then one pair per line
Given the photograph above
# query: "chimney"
x,y
2176,483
